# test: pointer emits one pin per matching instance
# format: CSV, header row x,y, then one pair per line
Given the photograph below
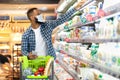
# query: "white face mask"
x,y
40,18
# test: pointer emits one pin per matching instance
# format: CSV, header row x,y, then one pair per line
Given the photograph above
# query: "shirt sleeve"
x,y
63,18
24,45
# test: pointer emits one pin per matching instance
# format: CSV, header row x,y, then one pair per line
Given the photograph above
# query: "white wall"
x,y
13,11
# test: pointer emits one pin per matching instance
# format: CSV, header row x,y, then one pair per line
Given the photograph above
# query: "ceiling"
x,y
29,1
14,5
26,6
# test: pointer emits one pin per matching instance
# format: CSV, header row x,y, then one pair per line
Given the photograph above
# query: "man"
x,y
37,37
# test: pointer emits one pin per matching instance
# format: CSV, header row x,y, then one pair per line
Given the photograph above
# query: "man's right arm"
x,y
24,48
65,17
24,45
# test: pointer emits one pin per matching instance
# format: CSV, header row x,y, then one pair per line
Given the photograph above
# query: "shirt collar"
x,y
30,28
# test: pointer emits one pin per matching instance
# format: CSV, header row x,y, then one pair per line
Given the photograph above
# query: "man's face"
x,y
34,14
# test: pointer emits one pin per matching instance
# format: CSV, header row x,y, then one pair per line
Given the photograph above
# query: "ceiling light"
x,y
43,8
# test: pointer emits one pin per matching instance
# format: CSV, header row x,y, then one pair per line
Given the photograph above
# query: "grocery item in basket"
x,y
27,71
39,71
34,69
48,67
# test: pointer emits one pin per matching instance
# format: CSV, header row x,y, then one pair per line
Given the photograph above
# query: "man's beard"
x,y
36,21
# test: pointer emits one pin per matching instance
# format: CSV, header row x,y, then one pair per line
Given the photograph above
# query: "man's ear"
x,y
31,18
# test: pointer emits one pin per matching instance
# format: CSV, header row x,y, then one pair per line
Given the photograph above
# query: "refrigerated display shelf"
x,y
78,25
68,69
92,40
93,64
98,20
89,40
109,15
92,23
112,9
88,3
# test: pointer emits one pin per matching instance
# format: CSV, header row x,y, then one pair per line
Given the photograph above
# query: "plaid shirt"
x,y
28,38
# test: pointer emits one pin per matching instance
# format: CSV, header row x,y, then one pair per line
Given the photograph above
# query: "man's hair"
x,y
30,11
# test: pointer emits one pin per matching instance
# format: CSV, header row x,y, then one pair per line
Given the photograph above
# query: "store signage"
x,y
4,17
20,18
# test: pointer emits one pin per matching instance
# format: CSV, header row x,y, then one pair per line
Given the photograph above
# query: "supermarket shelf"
x,y
16,66
112,9
96,65
4,39
109,16
79,24
16,56
92,40
88,3
5,53
68,69
16,63
4,46
17,49
93,64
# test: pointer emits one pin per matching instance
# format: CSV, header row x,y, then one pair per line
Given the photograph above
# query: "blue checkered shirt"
x,y
28,38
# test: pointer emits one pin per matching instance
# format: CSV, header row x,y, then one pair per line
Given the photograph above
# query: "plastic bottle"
x,y
118,56
100,77
100,12
118,26
102,29
115,23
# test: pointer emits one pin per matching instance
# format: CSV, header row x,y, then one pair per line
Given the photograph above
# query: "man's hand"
x,y
32,56
79,4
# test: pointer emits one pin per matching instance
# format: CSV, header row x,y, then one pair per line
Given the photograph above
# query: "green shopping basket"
x,y
41,61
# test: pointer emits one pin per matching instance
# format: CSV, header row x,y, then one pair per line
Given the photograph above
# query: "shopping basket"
x,y
41,61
